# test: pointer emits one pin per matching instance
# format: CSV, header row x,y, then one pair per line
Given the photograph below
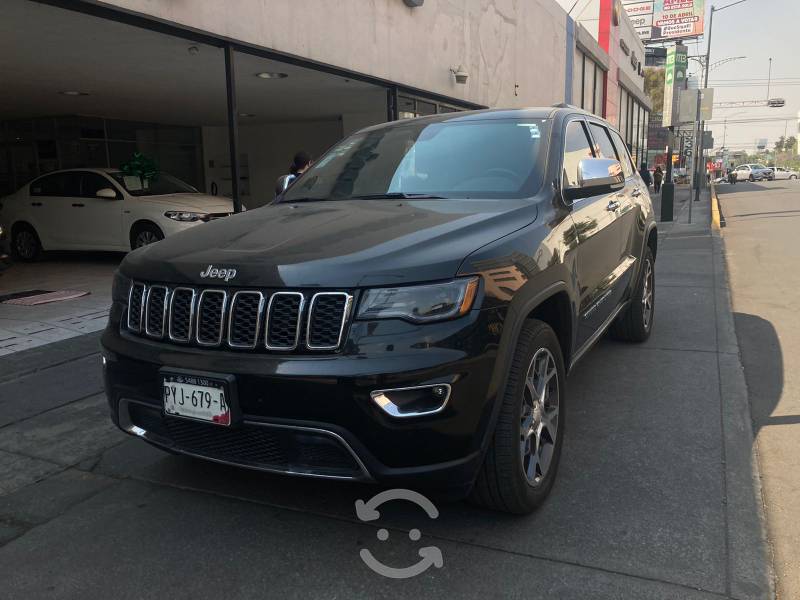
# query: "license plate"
x,y
196,397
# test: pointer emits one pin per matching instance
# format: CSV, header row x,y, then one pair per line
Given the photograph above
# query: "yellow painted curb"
x,y
715,218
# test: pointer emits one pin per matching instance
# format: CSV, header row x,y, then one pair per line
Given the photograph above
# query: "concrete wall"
x,y
501,43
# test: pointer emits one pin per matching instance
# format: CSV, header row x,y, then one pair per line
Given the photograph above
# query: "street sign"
x,y
708,140
776,102
674,79
687,110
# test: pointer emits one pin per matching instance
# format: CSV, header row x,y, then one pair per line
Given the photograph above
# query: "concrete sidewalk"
x,y
656,498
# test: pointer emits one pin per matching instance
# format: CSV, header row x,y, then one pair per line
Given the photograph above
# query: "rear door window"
x,y
576,147
627,162
57,184
603,144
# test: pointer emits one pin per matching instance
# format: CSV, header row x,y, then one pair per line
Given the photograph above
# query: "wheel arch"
x,y
553,305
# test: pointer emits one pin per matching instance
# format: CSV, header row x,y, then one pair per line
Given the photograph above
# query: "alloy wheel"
x,y
539,417
144,238
25,244
647,294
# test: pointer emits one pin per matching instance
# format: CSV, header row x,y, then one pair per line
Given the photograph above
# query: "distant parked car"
x,y
753,172
781,173
102,209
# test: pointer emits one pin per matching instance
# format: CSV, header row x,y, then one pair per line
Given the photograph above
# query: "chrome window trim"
x,y
345,316
221,318
141,306
299,327
192,306
147,331
258,319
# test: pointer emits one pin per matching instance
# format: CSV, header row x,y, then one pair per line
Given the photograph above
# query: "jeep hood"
x,y
333,244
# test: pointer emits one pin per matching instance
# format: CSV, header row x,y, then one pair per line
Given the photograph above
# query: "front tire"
x,y
145,234
751,178
636,323
25,243
521,462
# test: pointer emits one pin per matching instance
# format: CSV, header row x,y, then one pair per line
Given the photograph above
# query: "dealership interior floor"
x,y
23,327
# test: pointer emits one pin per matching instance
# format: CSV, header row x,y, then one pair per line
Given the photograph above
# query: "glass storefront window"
x,y
588,85
598,97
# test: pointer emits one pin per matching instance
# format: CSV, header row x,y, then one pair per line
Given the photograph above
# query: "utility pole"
x,y
769,77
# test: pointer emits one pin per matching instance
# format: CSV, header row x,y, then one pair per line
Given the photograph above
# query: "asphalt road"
x,y
762,243
655,496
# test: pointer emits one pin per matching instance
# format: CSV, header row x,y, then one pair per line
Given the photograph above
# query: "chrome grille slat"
x,y
244,319
181,314
155,311
284,321
211,317
327,317
136,298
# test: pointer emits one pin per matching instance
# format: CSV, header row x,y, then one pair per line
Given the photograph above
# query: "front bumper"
x,y
313,415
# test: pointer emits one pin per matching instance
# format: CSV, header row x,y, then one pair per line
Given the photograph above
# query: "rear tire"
x,y
751,178
520,465
145,234
792,176
636,323
25,243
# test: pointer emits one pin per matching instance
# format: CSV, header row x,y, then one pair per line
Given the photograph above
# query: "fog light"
x,y
413,401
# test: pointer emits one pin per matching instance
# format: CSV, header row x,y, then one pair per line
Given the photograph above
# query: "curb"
x,y
717,220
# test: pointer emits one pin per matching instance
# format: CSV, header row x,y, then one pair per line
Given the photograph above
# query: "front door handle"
x,y
78,205
612,206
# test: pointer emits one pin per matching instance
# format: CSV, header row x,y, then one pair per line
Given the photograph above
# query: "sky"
x,y
757,29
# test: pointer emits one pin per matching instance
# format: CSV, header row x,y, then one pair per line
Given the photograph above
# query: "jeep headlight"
x,y
181,215
420,303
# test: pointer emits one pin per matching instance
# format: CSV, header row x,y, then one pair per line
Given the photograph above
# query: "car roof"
x,y
536,112
102,170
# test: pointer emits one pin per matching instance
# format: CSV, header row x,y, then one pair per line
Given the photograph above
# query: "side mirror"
x,y
596,176
106,193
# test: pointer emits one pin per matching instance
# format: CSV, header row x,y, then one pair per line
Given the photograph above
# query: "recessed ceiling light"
x,y
74,93
246,115
269,75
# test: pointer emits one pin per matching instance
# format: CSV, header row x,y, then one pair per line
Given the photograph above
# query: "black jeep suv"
x,y
405,313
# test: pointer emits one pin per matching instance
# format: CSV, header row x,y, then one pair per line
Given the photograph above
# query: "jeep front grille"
x,y
244,319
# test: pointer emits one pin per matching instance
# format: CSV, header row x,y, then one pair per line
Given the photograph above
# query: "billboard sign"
x,y
677,19
666,19
674,82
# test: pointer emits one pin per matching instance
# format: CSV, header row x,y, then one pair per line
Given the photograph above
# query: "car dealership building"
x,y
222,94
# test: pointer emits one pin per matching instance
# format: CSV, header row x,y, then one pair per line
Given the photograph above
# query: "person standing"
x,y
645,174
658,177
300,164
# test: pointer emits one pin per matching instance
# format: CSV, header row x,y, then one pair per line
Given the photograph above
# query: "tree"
x,y
654,87
779,145
790,145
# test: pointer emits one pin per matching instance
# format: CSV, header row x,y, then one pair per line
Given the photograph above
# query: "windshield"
x,y
163,184
499,158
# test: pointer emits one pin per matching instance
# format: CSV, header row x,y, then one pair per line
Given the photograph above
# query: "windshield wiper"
x,y
397,196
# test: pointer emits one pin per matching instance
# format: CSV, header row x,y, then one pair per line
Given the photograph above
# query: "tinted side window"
x,y
57,184
604,146
625,158
576,148
91,183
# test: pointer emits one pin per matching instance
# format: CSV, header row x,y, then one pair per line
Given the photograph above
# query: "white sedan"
x,y
102,209
781,173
